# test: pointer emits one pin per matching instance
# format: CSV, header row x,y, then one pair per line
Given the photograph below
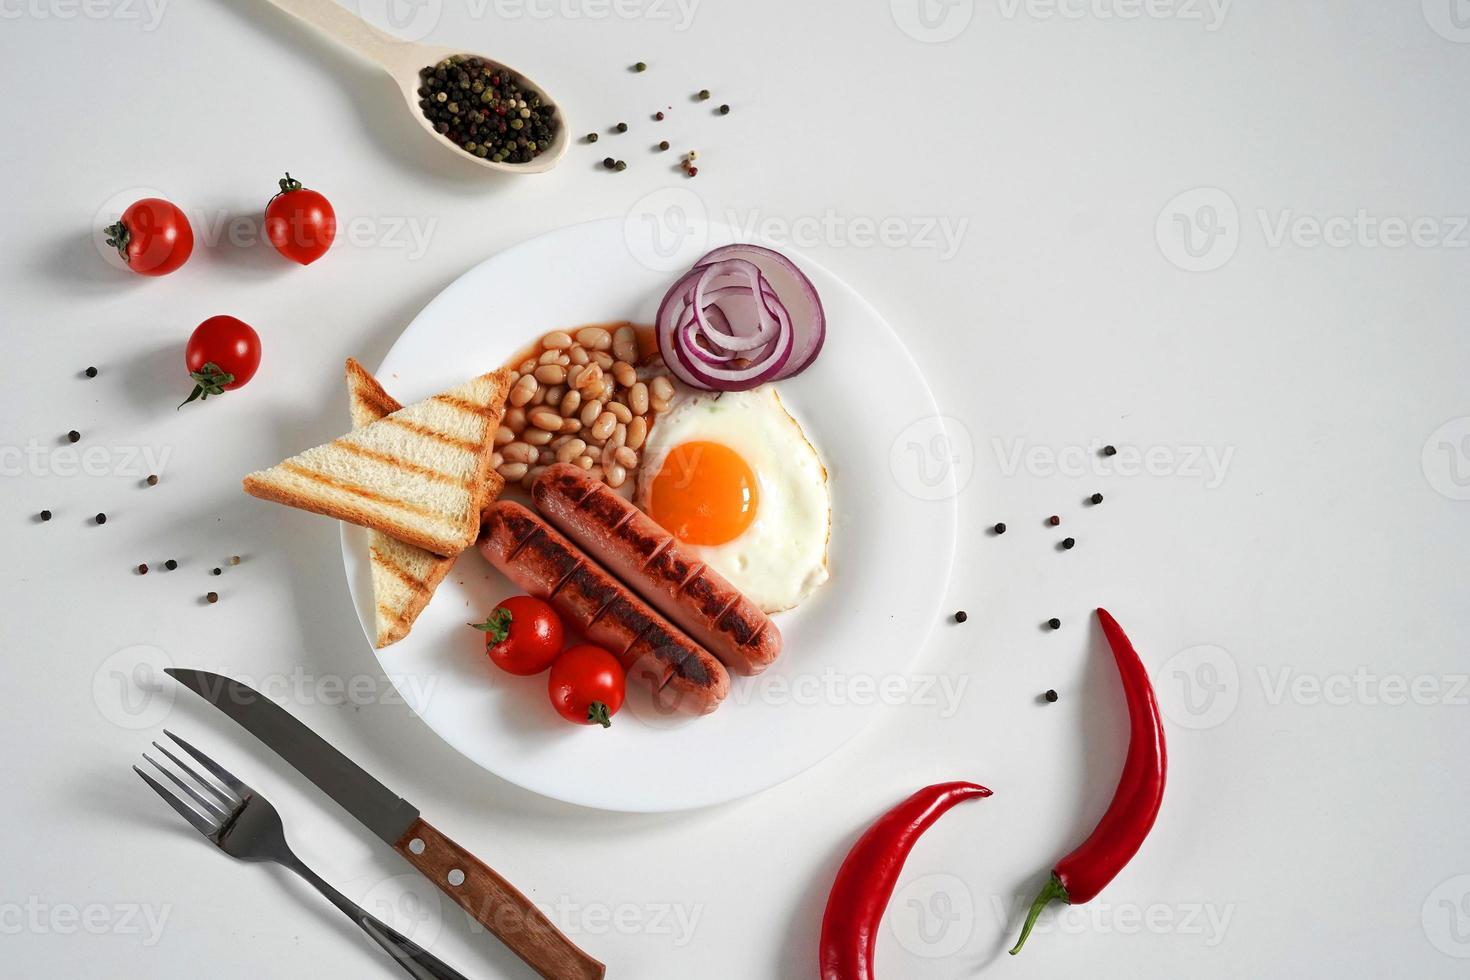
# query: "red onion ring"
x,y
724,325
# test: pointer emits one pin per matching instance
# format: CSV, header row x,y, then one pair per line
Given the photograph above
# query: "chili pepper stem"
x,y
1053,891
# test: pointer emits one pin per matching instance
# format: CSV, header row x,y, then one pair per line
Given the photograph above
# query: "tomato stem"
x,y
597,714
118,237
208,380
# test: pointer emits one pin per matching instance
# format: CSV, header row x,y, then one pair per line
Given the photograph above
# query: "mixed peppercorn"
x,y
484,110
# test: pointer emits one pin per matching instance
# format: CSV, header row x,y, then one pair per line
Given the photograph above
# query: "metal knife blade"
x,y
381,810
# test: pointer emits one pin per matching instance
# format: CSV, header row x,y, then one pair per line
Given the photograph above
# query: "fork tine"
x,y
229,801
184,810
210,809
234,785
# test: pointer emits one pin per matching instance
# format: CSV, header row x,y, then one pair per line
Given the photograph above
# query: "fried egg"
x,y
734,478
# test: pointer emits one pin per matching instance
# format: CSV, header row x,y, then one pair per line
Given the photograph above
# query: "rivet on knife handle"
x,y
497,905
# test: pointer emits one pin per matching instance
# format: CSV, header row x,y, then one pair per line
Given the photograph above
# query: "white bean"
x,y
594,338
625,344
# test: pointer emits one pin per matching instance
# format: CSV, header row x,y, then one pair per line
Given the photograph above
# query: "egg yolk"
x,y
704,493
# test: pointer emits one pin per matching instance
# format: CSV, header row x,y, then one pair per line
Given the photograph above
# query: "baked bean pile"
x,y
584,399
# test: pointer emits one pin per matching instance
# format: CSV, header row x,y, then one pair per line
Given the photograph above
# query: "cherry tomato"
x,y
222,355
152,236
587,685
299,222
522,635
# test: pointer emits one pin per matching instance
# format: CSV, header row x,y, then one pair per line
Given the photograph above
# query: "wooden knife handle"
x,y
497,905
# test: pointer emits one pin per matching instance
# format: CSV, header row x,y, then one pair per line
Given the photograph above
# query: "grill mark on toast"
x,y
402,464
356,491
398,571
374,400
419,429
465,405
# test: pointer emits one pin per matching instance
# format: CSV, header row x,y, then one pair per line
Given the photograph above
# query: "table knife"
x,y
472,884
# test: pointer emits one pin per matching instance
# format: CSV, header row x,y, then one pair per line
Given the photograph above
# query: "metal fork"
x,y
243,824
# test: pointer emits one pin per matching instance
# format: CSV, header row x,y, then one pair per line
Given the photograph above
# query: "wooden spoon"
x,y
402,61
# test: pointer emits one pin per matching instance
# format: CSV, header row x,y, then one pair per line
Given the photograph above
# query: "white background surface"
x,y
1304,608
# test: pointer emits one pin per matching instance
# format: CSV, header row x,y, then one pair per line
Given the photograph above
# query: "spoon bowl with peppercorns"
x,y
476,107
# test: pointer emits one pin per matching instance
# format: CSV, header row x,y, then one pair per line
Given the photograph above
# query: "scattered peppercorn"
x,y
609,162
961,616
45,515
170,564
703,94
143,569
621,127
101,518
691,156
73,436
592,137
640,66
214,597
725,110
620,165
234,559
1000,528
1096,498
659,116
153,479
216,571
1110,450
1054,623
1053,520
663,144
692,171
1069,543
91,372
1051,697
485,111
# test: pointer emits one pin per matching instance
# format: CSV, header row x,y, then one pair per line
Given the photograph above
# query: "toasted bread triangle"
x,y
404,576
420,474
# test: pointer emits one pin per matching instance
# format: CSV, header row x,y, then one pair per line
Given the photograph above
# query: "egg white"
x,y
781,558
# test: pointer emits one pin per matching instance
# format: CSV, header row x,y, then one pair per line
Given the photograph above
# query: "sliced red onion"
x,y
795,292
723,325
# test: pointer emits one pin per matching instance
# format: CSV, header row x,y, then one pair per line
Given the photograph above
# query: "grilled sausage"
x,y
684,677
632,546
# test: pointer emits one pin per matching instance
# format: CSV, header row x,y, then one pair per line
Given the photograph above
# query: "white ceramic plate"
x,y
848,650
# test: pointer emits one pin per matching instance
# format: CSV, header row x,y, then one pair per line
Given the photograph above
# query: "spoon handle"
x,y
345,27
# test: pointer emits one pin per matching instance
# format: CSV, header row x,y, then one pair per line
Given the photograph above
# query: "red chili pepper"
x,y
867,876
1079,876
